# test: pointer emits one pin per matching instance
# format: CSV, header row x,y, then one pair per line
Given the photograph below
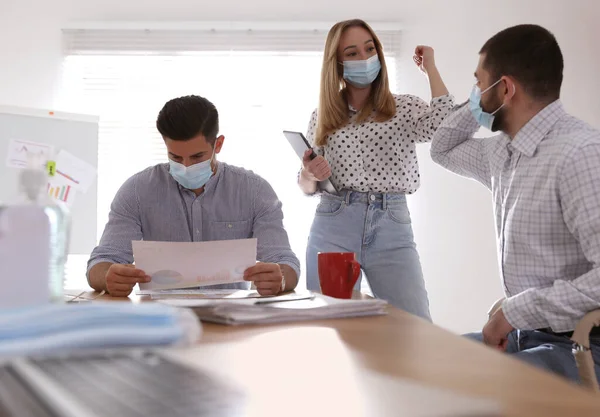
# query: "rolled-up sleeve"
x,y
427,118
124,225
455,148
273,241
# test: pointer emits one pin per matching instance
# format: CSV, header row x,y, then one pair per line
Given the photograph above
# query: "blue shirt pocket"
x,y
231,230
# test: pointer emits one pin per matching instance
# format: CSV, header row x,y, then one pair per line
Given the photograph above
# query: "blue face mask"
x,y
29,331
484,119
193,177
362,73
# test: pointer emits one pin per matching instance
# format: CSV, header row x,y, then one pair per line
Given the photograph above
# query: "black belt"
x,y
594,333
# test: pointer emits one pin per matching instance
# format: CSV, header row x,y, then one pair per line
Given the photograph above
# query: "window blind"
x,y
177,42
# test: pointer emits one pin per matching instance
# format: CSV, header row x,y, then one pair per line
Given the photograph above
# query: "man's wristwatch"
x,y
282,289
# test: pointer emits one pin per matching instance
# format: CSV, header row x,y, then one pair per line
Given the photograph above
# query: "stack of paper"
x,y
279,309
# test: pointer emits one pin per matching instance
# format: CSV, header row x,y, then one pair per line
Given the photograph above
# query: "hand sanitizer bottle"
x,y
33,184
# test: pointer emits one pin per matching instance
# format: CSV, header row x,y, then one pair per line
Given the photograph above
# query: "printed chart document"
x,y
192,264
78,173
18,150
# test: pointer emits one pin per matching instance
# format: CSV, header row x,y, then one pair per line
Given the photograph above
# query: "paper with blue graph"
x,y
193,264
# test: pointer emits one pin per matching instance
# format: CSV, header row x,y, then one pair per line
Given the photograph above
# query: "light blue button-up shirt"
x,y
235,204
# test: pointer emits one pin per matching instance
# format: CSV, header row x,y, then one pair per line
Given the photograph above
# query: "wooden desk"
x,y
324,362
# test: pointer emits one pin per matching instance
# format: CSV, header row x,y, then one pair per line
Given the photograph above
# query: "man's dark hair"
x,y
186,117
531,55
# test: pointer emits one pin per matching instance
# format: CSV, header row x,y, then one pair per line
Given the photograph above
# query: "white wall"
x,y
453,217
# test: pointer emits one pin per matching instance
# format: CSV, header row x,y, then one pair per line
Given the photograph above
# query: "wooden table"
x,y
327,362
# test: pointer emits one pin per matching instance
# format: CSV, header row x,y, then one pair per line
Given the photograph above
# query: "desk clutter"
x,y
58,328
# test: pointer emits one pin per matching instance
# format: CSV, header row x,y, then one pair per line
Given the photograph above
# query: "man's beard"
x,y
498,123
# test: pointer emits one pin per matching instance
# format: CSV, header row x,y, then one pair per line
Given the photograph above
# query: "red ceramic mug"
x,y
338,272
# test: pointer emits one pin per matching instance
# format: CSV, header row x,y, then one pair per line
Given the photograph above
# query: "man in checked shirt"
x,y
544,173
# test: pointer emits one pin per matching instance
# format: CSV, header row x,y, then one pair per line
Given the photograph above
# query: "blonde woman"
x,y
365,139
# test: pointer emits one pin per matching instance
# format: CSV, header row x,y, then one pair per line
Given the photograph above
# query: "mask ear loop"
x,y
491,86
214,152
503,104
212,158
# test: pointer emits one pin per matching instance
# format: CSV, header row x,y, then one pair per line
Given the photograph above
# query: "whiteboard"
x,y
75,133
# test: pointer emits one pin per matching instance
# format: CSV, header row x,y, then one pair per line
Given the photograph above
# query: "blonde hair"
x,y
333,105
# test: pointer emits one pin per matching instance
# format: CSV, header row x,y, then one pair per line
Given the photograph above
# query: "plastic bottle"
x,y
33,186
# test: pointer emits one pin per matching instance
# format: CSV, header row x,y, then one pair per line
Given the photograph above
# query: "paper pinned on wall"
x,y
61,189
79,174
193,264
18,150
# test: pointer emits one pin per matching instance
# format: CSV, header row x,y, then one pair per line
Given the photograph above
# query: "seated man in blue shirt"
x,y
193,198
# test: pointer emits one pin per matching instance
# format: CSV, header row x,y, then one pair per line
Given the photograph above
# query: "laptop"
x,y
123,383
300,145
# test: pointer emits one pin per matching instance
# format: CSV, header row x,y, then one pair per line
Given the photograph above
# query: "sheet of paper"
x,y
76,172
201,293
193,264
18,150
62,189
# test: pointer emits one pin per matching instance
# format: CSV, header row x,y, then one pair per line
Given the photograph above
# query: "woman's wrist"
x,y
307,175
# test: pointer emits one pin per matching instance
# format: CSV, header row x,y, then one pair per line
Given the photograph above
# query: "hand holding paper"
x,y
120,279
267,277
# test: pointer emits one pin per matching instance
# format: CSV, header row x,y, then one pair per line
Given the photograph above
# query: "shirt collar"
x,y
534,131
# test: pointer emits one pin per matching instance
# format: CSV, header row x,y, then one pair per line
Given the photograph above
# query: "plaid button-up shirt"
x,y
546,189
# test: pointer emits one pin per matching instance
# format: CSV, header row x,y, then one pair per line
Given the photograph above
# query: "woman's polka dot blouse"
x,y
381,157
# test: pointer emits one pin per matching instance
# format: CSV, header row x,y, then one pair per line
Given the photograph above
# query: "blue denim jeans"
x,y
377,228
546,351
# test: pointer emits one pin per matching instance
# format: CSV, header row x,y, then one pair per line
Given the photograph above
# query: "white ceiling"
x,y
411,11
